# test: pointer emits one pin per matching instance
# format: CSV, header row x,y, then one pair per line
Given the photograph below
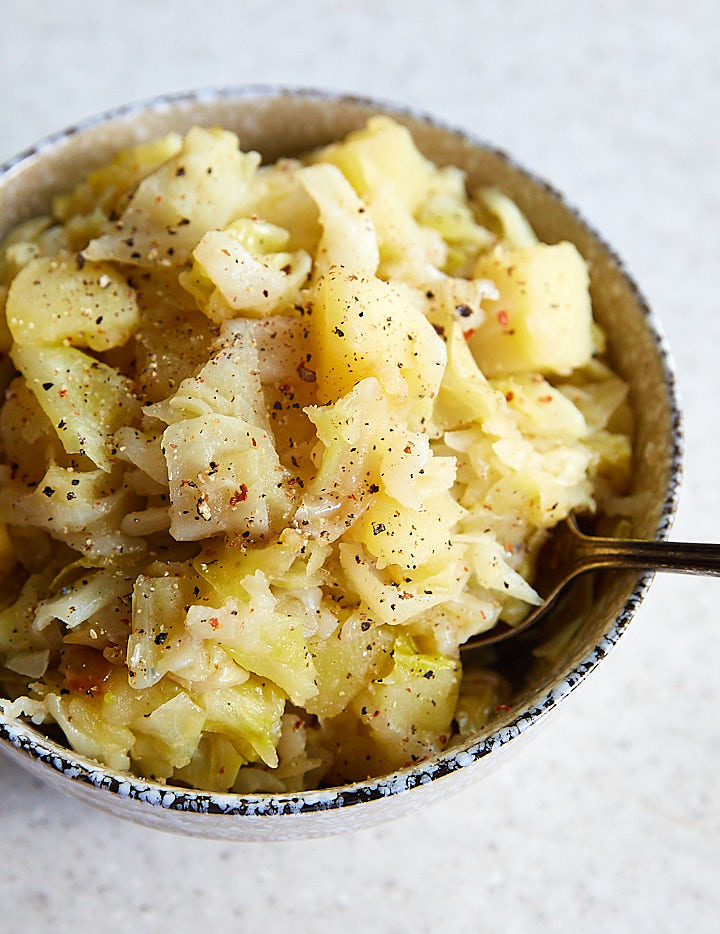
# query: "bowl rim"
x,y
34,746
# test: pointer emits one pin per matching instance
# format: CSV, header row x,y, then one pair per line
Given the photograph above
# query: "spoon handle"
x,y
688,558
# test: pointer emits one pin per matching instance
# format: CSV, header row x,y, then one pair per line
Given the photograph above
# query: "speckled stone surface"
x,y
610,820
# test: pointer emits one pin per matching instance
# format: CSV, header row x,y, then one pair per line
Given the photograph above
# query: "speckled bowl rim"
x,y
81,769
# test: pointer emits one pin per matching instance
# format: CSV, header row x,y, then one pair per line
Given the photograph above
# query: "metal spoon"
x,y
568,552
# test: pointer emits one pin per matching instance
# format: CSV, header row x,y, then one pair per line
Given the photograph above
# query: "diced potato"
x,y
542,320
383,151
225,476
365,327
51,301
25,236
346,661
409,711
86,401
27,435
396,533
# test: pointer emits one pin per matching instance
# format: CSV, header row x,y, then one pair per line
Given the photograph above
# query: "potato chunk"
x,y
364,327
542,319
409,711
382,152
51,301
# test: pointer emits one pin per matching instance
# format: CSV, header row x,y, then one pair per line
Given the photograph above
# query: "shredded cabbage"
x,y
276,441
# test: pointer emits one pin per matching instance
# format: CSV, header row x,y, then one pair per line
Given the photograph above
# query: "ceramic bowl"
x,y
284,122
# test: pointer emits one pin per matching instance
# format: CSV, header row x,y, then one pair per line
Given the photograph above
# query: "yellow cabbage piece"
x,y
507,218
207,184
249,715
264,634
243,270
86,400
224,476
108,186
83,508
348,237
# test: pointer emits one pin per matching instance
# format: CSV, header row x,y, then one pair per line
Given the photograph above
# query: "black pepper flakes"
x,y
308,376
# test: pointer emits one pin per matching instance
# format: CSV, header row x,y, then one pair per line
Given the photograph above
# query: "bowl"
x,y
276,122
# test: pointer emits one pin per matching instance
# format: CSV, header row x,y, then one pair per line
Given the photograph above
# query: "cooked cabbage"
x,y
276,441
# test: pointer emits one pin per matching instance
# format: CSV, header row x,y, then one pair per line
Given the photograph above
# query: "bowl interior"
x,y
286,123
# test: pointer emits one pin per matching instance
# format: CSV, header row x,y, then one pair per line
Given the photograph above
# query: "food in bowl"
x,y
277,440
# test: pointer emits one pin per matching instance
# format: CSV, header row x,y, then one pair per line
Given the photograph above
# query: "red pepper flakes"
x,y
239,496
502,317
85,669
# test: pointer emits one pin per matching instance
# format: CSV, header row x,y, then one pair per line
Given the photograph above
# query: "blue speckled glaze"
x,y
330,810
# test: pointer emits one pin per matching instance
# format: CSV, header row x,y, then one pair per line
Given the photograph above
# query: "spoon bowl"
x,y
567,553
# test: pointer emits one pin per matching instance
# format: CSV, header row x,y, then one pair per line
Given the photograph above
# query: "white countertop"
x,y
611,820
